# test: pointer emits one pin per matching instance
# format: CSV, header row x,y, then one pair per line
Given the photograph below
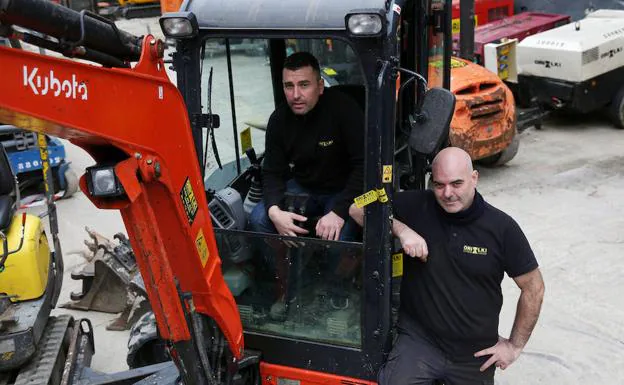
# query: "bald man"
x,y
451,296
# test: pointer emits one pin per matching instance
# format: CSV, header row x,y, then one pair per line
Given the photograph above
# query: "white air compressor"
x,y
577,66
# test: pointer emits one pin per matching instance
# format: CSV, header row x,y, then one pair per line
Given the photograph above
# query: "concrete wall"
x,y
574,8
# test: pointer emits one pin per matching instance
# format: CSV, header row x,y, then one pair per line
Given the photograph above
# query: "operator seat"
x,y
7,190
356,92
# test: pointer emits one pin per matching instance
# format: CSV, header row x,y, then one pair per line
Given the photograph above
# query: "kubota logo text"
x,y
42,84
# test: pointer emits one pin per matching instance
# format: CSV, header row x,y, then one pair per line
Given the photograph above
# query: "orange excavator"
x,y
141,170
210,280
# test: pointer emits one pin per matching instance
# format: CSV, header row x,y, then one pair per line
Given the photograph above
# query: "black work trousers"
x,y
415,360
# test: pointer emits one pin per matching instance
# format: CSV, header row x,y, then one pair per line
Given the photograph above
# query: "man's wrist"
x,y
517,346
272,211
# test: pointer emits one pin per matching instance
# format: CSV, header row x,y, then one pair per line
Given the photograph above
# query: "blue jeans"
x,y
318,205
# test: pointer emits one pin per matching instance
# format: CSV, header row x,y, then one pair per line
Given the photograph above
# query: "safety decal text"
x,y
202,247
370,197
189,201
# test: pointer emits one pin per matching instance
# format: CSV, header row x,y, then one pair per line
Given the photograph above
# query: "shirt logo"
x,y
326,143
475,250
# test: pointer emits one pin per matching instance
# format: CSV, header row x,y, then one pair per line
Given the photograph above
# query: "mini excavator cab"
x,y
325,306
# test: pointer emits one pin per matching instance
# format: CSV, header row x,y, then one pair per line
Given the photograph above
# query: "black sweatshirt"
x,y
325,147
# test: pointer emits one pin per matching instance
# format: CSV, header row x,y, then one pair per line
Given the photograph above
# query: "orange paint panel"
x,y
281,375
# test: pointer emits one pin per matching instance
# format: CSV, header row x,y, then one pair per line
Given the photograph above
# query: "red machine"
x,y
486,11
515,27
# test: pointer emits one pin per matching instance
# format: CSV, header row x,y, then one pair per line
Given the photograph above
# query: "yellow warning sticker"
x,y
370,197
43,152
456,24
330,71
457,63
397,265
366,199
245,137
189,201
387,174
381,195
202,247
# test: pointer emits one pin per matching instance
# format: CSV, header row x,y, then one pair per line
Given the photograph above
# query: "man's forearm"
x,y
352,189
527,313
357,214
398,227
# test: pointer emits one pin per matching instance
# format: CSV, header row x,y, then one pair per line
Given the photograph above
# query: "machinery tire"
x,y
71,183
504,156
616,109
145,347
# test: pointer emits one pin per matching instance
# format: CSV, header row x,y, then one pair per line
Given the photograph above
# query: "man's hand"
x,y
413,244
504,353
329,226
284,222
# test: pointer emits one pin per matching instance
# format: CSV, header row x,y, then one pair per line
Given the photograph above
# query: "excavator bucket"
x,y
111,282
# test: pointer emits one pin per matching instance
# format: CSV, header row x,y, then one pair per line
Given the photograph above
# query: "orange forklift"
x,y
183,172
485,121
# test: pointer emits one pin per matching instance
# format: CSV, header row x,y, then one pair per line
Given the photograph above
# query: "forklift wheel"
x,y
616,109
504,156
71,183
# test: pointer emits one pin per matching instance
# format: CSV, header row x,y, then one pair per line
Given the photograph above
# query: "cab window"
x,y
304,288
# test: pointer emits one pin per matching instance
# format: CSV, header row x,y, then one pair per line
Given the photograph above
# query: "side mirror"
x,y
430,127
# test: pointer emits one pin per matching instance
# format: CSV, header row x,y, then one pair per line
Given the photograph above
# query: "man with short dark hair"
x,y
314,145
451,293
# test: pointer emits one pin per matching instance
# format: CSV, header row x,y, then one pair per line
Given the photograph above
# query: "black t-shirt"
x,y
326,147
456,295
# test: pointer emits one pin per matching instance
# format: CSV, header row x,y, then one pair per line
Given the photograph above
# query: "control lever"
x,y
251,155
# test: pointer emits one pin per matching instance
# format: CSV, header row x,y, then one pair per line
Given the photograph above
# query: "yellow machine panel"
x,y
25,273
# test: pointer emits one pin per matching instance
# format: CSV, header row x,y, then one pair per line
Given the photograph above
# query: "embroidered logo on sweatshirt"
x,y
326,143
475,250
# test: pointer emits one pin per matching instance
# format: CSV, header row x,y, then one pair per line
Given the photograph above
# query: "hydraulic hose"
x,y
71,27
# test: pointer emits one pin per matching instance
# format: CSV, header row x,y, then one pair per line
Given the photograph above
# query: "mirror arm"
x,y
418,76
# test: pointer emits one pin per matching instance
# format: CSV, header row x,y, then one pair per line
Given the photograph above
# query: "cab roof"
x,y
276,14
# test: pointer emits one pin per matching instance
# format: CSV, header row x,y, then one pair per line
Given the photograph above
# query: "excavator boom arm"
x,y
135,120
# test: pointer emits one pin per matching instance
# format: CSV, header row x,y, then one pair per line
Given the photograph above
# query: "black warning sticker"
x,y
188,200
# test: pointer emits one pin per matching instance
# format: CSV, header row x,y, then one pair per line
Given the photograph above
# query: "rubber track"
x,y
39,370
